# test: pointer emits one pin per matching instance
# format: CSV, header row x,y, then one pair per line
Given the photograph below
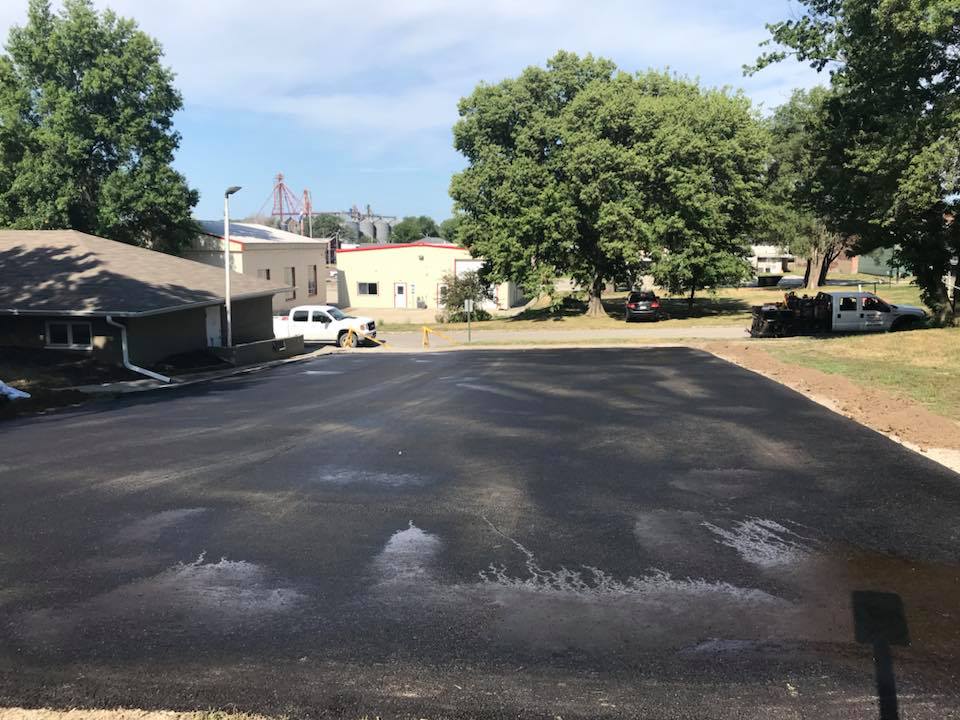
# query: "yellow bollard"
x,y
427,331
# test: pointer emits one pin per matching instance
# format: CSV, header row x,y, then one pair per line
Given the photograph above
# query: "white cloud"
x,y
377,70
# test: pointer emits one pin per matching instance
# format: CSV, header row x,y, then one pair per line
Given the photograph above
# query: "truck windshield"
x,y
336,314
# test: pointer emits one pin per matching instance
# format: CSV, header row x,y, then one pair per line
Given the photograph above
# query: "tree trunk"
x,y
806,274
816,270
693,291
595,304
824,269
952,295
830,255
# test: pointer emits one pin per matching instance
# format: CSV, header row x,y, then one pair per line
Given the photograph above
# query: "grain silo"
x,y
382,229
367,228
351,229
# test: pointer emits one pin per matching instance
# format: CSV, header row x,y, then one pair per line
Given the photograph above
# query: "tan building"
x,y
270,254
408,276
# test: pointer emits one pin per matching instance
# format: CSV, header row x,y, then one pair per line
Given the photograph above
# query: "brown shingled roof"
x,y
70,272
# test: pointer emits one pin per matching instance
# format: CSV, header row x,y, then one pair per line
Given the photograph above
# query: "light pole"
x,y
226,256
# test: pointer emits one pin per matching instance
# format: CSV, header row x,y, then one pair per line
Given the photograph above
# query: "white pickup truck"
x,y
833,312
324,324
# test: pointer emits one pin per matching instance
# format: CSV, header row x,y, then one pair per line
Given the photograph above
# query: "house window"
x,y
368,288
311,279
290,278
263,274
71,335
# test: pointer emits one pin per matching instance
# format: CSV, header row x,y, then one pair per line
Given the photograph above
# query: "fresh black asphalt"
x,y
540,533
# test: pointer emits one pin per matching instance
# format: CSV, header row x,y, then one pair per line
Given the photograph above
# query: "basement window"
x,y
69,335
368,288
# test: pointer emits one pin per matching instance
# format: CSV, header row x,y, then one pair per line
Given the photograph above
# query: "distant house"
x,y
408,276
769,259
278,256
64,290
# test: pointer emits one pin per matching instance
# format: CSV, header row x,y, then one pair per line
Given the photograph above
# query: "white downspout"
x,y
126,355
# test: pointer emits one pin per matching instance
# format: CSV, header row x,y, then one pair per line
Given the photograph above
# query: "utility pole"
x,y
226,258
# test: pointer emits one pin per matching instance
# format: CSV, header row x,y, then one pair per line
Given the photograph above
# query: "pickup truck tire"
x,y
347,339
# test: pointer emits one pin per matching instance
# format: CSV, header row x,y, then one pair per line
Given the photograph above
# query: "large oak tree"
x,y
86,129
803,178
576,169
894,116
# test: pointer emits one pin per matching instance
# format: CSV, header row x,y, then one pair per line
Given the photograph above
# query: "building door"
x,y
214,333
399,295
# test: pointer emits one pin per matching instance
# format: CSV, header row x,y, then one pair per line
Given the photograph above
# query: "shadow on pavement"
x,y
879,621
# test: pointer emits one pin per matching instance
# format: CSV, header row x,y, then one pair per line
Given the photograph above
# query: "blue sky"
x,y
355,101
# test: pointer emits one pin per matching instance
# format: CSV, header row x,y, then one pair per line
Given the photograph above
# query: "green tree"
x,y
577,170
895,112
460,288
696,265
325,225
802,166
449,228
412,229
86,129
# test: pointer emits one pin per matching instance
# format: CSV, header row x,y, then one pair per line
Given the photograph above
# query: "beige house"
x,y
408,276
267,253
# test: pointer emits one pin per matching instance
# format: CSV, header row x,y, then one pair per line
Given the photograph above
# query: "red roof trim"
x,y
395,246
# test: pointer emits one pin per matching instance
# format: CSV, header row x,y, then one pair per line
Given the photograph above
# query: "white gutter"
x,y
126,355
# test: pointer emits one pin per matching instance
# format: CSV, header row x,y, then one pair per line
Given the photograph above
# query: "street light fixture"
x,y
226,257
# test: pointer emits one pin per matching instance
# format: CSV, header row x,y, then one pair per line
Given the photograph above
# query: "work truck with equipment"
x,y
832,312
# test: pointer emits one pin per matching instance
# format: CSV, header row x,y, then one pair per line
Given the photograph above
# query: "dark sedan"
x,y
643,305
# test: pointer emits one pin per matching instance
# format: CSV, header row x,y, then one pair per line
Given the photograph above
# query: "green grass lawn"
x,y
922,365
727,306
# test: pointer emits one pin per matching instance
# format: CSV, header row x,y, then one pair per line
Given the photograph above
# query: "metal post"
x,y
469,333
226,258
226,264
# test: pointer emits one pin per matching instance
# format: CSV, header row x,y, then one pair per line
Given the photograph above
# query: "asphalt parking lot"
x,y
574,533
